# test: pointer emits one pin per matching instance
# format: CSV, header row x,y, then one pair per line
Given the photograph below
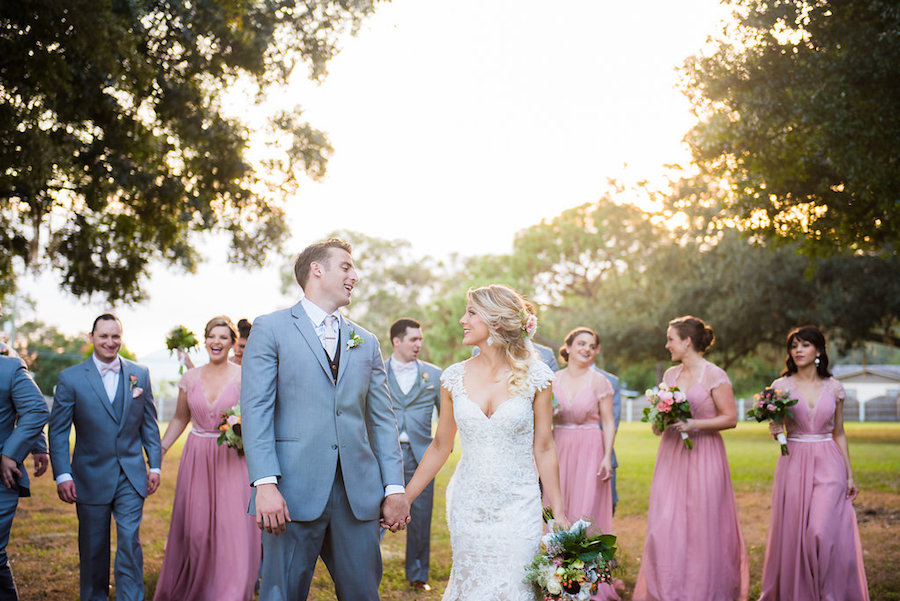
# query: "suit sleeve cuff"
x,y
155,470
63,478
266,480
394,489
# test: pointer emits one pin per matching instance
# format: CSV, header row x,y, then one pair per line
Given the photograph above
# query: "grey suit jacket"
x,y
414,409
297,423
23,414
103,444
547,356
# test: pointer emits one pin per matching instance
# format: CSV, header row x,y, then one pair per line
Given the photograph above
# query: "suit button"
x,y
334,446
338,411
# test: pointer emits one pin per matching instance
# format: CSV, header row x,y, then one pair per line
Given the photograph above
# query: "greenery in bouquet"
x,y
774,405
571,563
230,430
668,405
181,338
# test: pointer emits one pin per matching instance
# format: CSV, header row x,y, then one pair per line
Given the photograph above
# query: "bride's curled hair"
x,y
507,315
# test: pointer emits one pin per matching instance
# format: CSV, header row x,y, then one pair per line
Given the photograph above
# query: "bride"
x,y
500,400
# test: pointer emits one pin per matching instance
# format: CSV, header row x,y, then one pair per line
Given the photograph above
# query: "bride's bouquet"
x,y
571,563
230,430
181,338
667,406
774,405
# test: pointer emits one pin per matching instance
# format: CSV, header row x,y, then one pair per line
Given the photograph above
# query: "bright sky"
x,y
455,124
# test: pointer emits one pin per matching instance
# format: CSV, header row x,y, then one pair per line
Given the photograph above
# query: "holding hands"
x,y
395,512
271,509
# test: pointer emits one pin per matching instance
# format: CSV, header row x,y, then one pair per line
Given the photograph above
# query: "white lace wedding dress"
x,y
493,500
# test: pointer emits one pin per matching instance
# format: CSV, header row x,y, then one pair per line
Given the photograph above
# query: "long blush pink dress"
x,y
213,549
694,549
579,446
813,552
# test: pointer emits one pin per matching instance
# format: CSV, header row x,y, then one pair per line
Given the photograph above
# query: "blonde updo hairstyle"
x,y
504,312
221,320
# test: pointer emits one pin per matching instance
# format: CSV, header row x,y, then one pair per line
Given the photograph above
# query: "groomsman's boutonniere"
x,y
354,341
425,376
133,387
4,352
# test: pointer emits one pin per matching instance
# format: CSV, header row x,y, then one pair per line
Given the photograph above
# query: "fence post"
x,y
629,405
862,411
741,415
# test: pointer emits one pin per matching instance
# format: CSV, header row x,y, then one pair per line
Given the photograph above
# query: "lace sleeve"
x,y
188,379
602,387
714,377
837,389
451,377
539,375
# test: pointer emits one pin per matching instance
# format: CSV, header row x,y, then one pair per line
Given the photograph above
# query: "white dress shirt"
x,y
405,374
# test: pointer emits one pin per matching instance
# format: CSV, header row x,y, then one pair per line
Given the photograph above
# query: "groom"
x,y
320,437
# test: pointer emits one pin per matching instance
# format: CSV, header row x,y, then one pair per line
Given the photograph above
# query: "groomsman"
x,y
23,415
108,400
415,390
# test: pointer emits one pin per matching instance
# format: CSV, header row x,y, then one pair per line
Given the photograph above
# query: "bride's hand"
x,y
561,522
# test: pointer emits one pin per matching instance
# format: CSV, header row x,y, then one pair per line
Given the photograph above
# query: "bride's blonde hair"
x,y
507,314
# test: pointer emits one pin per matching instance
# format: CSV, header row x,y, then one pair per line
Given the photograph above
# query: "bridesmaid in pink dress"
x,y
813,552
694,549
584,400
213,549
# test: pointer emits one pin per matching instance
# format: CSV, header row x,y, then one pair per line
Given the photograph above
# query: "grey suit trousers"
x,y
348,546
418,533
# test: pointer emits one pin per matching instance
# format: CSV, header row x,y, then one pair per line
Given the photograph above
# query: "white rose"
x,y
554,587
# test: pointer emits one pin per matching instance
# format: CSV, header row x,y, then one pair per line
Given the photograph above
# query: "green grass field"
x,y
43,546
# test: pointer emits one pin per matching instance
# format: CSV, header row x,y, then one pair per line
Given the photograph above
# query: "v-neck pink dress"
x,y
694,549
579,446
213,549
813,552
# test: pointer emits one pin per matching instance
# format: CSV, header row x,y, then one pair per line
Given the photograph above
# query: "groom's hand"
x,y
395,512
271,510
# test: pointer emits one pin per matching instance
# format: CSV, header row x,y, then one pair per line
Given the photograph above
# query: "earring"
x,y
490,340
817,361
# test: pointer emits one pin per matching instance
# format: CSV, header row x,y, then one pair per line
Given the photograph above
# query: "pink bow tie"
x,y
113,367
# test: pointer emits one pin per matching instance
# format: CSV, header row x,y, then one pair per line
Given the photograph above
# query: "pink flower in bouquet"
x,y
761,403
664,406
770,407
666,396
233,419
680,397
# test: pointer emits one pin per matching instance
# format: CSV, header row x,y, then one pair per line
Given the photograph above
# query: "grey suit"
x,y
414,412
332,445
617,412
547,356
23,414
108,468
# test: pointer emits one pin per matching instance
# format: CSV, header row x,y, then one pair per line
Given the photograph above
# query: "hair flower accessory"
x,y
529,324
354,341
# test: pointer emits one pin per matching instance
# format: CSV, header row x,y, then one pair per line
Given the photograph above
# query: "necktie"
x,y
115,366
330,335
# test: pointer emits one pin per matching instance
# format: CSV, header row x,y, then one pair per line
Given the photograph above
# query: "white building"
x,y
873,391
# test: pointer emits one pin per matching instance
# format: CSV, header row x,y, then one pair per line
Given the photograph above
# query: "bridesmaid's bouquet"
x,y
571,563
774,405
667,406
230,430
181,338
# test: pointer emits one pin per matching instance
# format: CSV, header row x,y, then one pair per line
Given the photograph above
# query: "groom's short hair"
x,y
316,253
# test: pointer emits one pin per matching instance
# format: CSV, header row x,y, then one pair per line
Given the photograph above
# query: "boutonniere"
x,y
354,341
136,390
425,376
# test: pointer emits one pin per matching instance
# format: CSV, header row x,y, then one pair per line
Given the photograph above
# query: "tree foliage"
x,y
115,146
798,107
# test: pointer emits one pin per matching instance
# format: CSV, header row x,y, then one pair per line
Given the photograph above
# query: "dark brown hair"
x,y
399,327
316,253
815,337
570,338
105,317
701,335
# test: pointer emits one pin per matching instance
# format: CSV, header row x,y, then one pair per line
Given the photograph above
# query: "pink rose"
x,y
233,419
679,397
666,395
770,407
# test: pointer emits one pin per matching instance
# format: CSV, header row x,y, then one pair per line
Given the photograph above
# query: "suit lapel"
x,y
127,371
96,382
346,352
302,322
